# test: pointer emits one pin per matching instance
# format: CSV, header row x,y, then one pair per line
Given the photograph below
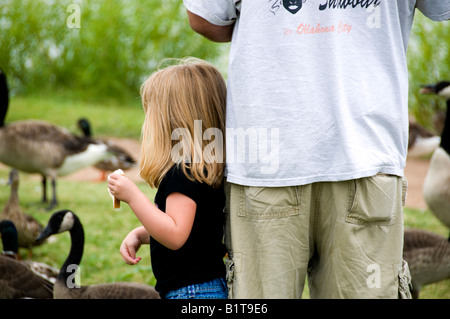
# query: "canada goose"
x,y
428,258
436,188
421,142
35,146
17,279
8,233
28,227
119,159
66,220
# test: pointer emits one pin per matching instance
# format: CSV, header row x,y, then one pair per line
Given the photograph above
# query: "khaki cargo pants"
x,y
347,237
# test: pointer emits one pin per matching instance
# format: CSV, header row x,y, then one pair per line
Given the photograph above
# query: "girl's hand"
x,y
132,243
121,187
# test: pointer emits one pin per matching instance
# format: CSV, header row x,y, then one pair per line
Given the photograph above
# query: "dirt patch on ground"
x,y
416,171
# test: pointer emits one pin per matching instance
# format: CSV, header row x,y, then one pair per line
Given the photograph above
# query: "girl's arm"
x,y
131,244
171,228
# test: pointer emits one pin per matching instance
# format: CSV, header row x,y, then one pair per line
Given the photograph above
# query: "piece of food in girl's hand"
x,y
116,202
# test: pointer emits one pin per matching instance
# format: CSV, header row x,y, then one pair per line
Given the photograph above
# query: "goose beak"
x,y
428,89
46,233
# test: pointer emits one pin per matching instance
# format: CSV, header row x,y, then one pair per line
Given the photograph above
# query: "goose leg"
x,y
54,202
44,189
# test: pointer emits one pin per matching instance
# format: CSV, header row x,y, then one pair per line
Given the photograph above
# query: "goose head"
x,y
85,127
8,233
61,221
441,88
13,177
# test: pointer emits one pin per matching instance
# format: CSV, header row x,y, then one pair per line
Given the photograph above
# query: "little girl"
x,y
185,225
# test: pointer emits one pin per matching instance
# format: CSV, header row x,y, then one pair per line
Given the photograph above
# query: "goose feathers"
x,y
428,257
36,146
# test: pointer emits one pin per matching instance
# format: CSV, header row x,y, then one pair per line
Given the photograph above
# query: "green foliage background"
x,y
428,62
118,44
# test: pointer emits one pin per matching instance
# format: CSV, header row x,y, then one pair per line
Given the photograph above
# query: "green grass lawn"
x,y
108,118
105,227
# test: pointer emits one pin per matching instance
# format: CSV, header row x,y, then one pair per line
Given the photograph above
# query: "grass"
x,y
107,118
105,227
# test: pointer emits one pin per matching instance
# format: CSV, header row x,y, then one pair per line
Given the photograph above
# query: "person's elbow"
x,y
210,31
175,243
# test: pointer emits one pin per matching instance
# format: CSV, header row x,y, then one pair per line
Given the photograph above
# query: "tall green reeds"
x,y
118,43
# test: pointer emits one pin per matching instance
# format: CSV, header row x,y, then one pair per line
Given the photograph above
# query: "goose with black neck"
x,y
65,287
436,188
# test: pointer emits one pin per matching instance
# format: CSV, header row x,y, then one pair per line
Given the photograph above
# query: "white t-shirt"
x,y
317,89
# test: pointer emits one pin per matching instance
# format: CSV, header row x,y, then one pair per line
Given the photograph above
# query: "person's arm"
x,y
131,244
210,31
171,228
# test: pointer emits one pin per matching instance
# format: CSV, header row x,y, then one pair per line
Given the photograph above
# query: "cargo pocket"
x,y
264,203
404,190
229,264
404,282
373,200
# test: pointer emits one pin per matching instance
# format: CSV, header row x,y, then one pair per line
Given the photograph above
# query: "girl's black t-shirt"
x,y
201,257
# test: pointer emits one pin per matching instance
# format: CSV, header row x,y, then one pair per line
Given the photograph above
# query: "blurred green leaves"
x,y
428,63
118,44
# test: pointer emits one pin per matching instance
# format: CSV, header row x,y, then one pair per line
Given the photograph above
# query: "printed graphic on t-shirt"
x,y
371,8
294,6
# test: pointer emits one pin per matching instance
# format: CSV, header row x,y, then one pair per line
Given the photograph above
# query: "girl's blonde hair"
x,y
181,96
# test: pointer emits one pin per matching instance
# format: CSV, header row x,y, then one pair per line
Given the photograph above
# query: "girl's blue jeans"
x,y
214,289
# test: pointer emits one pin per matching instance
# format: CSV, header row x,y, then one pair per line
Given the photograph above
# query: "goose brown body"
x,y
117,290
428,258
19,281
46,146
36,146
28,228
8,232
421,142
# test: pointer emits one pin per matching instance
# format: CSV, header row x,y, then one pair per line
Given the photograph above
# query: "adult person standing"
x,y
317,134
